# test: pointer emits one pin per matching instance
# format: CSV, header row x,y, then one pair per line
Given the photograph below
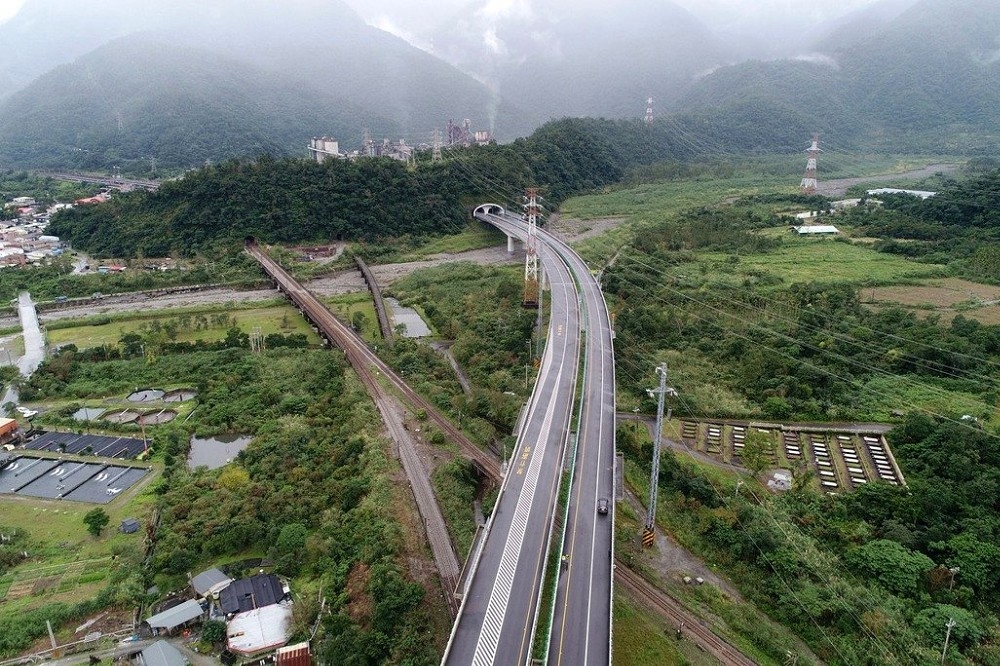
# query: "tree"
x,y
757,450
358,320
213,631
896,568
930,624
96,520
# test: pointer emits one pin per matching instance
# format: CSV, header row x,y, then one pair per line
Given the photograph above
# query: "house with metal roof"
x,y
161,653
175,617
811,229
210,582
247,594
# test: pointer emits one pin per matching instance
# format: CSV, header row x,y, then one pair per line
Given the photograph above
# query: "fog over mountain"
x,y
862,70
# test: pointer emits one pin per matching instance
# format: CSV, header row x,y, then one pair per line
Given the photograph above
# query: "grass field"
x,y
642,639
947,298
66,563
345,305
283,319
658,201
475,237
801,260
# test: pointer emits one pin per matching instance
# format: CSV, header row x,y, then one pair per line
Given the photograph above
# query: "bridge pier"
x,y
510,244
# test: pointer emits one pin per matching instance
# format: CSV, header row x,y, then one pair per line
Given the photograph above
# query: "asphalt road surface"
x,y
581,627
497,618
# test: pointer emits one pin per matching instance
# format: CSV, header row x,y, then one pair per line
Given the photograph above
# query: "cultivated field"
x,y
946,297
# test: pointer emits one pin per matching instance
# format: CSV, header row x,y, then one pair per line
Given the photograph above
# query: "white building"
x,y
324,148
923,194
812,229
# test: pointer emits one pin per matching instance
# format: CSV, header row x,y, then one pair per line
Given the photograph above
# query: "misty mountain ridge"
x,y
921,71
321,43
923,74
140,99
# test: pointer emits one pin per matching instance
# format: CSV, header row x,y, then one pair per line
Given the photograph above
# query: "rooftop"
x,y
162,653
212,580
250,593
259,630
176,616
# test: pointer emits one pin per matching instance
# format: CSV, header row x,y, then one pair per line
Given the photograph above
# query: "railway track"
x,y
689,626
365,361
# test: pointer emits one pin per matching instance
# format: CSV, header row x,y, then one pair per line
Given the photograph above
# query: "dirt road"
x,y
838,187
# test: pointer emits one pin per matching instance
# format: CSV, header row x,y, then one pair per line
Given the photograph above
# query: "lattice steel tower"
x,y
648,532
808,185
531,249
649,111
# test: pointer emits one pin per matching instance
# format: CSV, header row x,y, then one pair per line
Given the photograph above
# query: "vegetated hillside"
x,y
313,68
927,80
286,200
135,100
870,575
296,199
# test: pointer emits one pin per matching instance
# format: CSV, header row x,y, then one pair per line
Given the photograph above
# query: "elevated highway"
x,y
496,622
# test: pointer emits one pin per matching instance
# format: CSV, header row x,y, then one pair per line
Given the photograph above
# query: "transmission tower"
x,y
654,477
436,155
649,111
808,185
256,340
531,250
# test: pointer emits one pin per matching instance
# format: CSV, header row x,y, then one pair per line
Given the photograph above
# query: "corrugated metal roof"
x,y
162,653
923,194
259,630
293,655
176,616
248,593
817,229
211,580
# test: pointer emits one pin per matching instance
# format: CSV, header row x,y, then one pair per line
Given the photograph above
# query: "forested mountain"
x,y
136,100
295,69
259,76
926,79
298,200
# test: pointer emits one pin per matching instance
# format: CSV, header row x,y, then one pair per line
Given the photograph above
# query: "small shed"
x,y
782,480
129,526
293,655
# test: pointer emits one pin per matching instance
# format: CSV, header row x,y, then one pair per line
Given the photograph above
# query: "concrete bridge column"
x,y
510,245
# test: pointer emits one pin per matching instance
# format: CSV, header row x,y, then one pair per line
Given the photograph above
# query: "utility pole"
x,y
654,476
531,250
949,624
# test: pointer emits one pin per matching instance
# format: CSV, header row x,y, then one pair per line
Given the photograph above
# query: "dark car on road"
x,y
602,505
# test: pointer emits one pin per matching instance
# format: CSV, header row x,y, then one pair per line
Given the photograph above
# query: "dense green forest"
x,y
299,200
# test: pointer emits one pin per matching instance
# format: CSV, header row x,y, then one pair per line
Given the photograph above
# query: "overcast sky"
x,y
416,16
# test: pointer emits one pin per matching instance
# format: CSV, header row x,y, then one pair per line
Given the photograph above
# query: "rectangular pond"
x,y
92,482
